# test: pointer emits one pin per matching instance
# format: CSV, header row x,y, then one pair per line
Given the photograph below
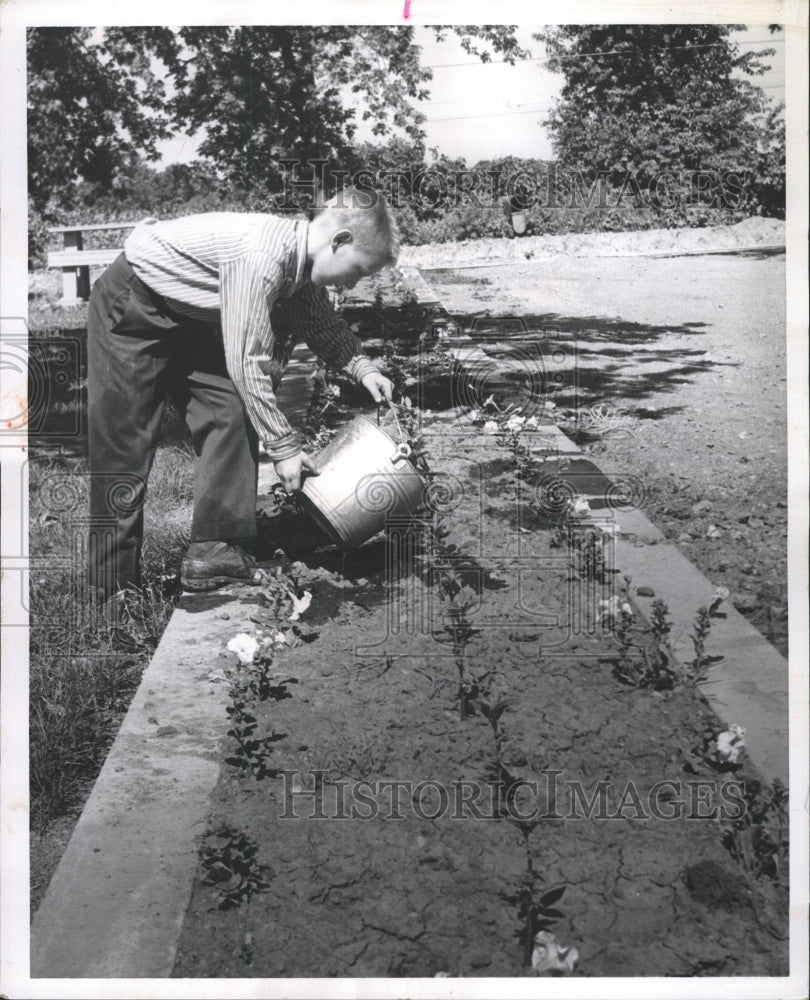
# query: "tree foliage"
x,y
94,105
650,98
100,98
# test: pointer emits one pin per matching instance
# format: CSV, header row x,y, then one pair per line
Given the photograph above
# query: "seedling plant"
x,y
232,868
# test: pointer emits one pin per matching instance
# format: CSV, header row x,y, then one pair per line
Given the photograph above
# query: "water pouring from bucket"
x,y
365,478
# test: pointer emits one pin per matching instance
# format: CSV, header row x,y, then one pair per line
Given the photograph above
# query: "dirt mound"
x,y
753,232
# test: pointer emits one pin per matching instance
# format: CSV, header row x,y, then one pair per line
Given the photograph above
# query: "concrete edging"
x,y
116,903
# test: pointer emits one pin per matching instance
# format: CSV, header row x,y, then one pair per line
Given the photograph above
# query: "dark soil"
x,y
360,883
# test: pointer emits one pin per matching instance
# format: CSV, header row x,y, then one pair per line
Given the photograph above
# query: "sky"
x,y
486,110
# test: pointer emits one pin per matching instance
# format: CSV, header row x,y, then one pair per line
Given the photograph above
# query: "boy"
x,y
186,311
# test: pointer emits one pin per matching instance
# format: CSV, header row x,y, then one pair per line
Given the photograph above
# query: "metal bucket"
x,y
365,478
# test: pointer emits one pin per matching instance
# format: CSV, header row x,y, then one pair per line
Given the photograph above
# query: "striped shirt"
x,y
232,269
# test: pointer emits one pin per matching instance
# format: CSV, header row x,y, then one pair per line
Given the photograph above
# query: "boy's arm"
x,y
311,315
246,288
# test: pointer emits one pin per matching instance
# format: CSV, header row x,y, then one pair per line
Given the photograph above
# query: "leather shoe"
x,y
208,565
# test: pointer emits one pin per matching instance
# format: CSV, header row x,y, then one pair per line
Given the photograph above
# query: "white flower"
x,y
610,608
549,405
490,401
490,427
300,605
532,422
474,415
626,609
548,956
244,646
717,598
515,423
579,506
730,744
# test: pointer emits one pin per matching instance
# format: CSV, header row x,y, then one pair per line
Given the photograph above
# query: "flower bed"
x,y
465,757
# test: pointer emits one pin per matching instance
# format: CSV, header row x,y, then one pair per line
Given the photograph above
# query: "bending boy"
x,y
185,311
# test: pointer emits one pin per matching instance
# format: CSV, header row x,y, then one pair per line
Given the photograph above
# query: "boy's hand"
x,y
291,470
378,385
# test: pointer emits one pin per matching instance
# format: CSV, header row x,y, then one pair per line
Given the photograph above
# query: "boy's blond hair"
x,y
368,216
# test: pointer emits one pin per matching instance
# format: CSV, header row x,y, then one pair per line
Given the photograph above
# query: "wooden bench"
x,y
75,262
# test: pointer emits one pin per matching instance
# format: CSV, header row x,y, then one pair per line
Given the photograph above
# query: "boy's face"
x,y
343,264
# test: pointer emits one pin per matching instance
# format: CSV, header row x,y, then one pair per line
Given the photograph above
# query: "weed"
x,y
602,421
397,367
286,503
231,866
402,290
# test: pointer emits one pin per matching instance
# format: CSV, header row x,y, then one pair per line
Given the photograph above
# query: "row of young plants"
x,y
228,855
642,659
643,656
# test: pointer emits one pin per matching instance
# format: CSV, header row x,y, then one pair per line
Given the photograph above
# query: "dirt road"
x,y
689,354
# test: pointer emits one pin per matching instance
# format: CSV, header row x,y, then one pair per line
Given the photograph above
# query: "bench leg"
x,y
83,283
75,285
70,286
75,280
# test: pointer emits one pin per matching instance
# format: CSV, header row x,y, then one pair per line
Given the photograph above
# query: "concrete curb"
x,y
116,903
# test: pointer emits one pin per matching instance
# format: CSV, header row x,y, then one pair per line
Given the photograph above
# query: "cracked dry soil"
x,y
373,878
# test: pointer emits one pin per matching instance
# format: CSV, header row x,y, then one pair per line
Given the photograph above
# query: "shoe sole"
x,y
201,586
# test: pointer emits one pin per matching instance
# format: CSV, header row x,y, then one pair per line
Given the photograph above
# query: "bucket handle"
x,y
392,406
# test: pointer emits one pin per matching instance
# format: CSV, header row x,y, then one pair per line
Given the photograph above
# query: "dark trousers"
x,y
138,353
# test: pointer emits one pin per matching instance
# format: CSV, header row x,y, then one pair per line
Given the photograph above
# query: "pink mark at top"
x,y
407,12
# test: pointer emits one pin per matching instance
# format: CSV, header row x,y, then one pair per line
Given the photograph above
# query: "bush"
x,y
38,239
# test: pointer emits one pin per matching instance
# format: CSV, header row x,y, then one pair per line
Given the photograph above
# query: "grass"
x,y
79,685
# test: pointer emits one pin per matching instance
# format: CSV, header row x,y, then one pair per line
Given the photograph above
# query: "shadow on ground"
x,y
576,361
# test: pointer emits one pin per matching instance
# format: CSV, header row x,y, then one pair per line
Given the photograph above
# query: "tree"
x,y
651,98
769,170
262,94
94,105
100,99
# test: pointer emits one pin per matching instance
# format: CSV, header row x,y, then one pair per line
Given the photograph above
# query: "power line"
x,y
528,111
605,52
494,114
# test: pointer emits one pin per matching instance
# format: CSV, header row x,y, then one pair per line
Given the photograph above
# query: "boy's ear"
x,y
341,237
